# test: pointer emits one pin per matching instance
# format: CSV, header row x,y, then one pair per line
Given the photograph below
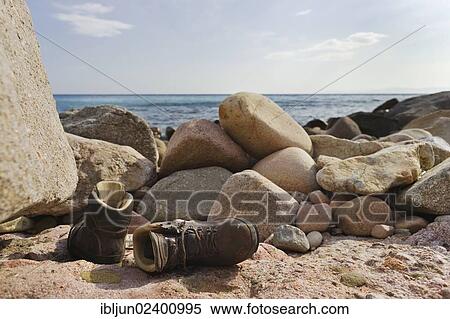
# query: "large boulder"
x,y
375,124
386,106
251,196
415,107
112,124
398,165
37,168
441,148
98,161
431,193
202,143
180,195
292,169
342,148
437,123
358,216
260,126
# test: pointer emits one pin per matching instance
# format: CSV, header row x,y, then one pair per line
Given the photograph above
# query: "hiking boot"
x,y
164,246
99,236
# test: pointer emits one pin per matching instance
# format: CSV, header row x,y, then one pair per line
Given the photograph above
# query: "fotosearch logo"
x,y
265,207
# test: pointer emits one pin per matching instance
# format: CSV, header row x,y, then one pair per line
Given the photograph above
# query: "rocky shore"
x,y
350,207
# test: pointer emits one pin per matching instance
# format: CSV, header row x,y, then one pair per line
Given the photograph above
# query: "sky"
x,y
227,46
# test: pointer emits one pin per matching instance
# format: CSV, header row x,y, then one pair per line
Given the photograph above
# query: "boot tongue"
x,y
160,249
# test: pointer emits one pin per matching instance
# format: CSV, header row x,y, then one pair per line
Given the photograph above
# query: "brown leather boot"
x,y
99,236
164,246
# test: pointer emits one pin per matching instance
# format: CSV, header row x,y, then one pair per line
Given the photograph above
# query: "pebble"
x,y
315,239
353,279
382,231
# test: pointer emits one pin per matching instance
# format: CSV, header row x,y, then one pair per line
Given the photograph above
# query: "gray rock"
x,y
37,168
436,234
159,203
315,239
290,238
430,194
442,219
251,196
112,124
98,161
375,124
415,107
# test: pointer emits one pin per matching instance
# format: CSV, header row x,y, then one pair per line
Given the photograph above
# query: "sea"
x,y
172,110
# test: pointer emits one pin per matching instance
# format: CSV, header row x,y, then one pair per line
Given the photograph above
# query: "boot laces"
x,y
205,240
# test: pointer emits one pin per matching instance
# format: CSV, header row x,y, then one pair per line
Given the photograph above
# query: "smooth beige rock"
x,y
179,195
324,160
99,161
292,169
382,231
112,124
342,148
37,168
315,217
358,216
315,239
260,126
17,225
162,149
431,194
251,196
202,143
377,173
344,127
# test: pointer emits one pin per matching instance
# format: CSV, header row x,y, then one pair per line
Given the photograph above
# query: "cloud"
x,y
331,49
303,12
84,20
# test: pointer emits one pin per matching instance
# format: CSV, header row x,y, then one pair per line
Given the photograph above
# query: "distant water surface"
x,y
173,110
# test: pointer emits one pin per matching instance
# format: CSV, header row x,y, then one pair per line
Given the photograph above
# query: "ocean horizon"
x,y
164,110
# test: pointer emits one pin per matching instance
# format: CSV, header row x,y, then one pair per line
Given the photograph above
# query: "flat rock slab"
x,y
388,270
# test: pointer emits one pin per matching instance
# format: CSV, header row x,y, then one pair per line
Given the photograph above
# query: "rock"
x,y
318,197
402,232
435,234
396,138
189,187
357,217
316,217
382,231
201,143
315,239
411,223
375,124
353,279
162,149
291,168
430,194
98,161
379,172
364,138
445,293
441,148
37,168
316,123
112,124
251,196
442,219
260,126
169,132
416,133
324,160
17,225
416,107
386,106
156,132
345,127
290,238
436,123
341,148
